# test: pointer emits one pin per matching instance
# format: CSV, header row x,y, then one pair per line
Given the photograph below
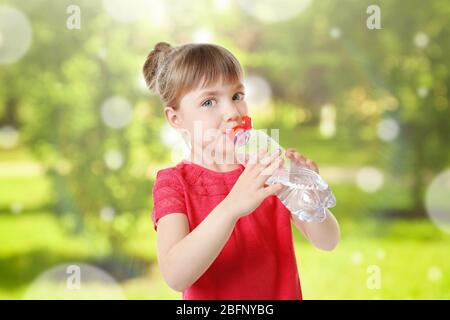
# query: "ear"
x,y
172,117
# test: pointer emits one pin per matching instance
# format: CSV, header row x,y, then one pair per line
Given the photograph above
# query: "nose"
x,y
231,113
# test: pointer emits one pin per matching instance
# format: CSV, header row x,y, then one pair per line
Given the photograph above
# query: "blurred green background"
x,y
81,139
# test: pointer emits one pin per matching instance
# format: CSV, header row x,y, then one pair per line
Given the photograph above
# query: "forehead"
x,y
217,86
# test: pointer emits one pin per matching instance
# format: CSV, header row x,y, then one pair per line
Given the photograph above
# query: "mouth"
x,y
244,124
229,133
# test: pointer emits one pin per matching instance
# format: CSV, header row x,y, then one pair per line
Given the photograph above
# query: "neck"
x,y
209,161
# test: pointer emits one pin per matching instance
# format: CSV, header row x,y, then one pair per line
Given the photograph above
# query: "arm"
x,y
324,235
184,256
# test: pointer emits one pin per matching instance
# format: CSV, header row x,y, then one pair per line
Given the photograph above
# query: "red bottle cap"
x,y
246,124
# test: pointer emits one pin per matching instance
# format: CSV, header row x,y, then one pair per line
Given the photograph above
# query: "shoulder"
x,y
167,178
178,172
179,176
182,172
167,173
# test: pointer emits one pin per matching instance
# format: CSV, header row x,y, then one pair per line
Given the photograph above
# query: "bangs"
x,y
203,65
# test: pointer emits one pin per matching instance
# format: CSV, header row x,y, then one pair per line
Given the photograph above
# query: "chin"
x,y
226,157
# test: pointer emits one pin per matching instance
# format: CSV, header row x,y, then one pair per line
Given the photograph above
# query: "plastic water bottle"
x,y
304,192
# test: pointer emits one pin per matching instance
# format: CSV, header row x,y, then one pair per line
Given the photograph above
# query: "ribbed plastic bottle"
x,y
305,193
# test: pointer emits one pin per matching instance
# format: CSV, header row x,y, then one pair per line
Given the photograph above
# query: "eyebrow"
x,y
240,86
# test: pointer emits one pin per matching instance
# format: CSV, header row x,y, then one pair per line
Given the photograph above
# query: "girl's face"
x,y
209,113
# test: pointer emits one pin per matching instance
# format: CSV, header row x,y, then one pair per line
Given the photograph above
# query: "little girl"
x,y
222,233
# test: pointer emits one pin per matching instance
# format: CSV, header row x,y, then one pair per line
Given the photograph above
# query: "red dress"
x,y
258,260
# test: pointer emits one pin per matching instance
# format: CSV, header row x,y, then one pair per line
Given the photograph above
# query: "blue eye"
x,y
238,96
208,103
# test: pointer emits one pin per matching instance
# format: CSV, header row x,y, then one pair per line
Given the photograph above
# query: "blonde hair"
x,y
171,72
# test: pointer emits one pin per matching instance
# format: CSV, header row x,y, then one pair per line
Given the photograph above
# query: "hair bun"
x,y
153,62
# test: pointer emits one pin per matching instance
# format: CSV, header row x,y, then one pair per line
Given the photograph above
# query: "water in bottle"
x,y
305,193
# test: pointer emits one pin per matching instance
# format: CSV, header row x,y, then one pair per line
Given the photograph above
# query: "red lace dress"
x,y
257,262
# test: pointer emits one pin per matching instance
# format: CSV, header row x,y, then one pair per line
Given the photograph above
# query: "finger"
x,y
301,160
271,168
290,150
290,154
254,158
272,189
294,157
312,165
270,157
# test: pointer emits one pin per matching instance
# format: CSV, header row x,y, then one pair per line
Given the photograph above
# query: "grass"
x,y
410,255
405,272
336,150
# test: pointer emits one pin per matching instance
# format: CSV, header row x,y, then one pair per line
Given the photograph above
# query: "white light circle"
x,y
74,281
387,129
203,35
369,179
8,137
222,5
380,254
174,140
16,207
15,34
102,53
335,33
422,92
142,85
125,11
437,201
274,10
257,92
158,13
116,112
113,159
169,136
179,152
357,258
421,40
107,214
434,274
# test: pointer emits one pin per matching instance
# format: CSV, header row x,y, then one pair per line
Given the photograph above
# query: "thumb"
x,y
272,189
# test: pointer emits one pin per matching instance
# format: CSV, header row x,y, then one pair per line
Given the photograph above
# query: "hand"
x,y
301,161
250,190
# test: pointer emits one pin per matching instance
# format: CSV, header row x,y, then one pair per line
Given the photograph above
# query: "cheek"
x,y
243,108
224,143
218,141
206,137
